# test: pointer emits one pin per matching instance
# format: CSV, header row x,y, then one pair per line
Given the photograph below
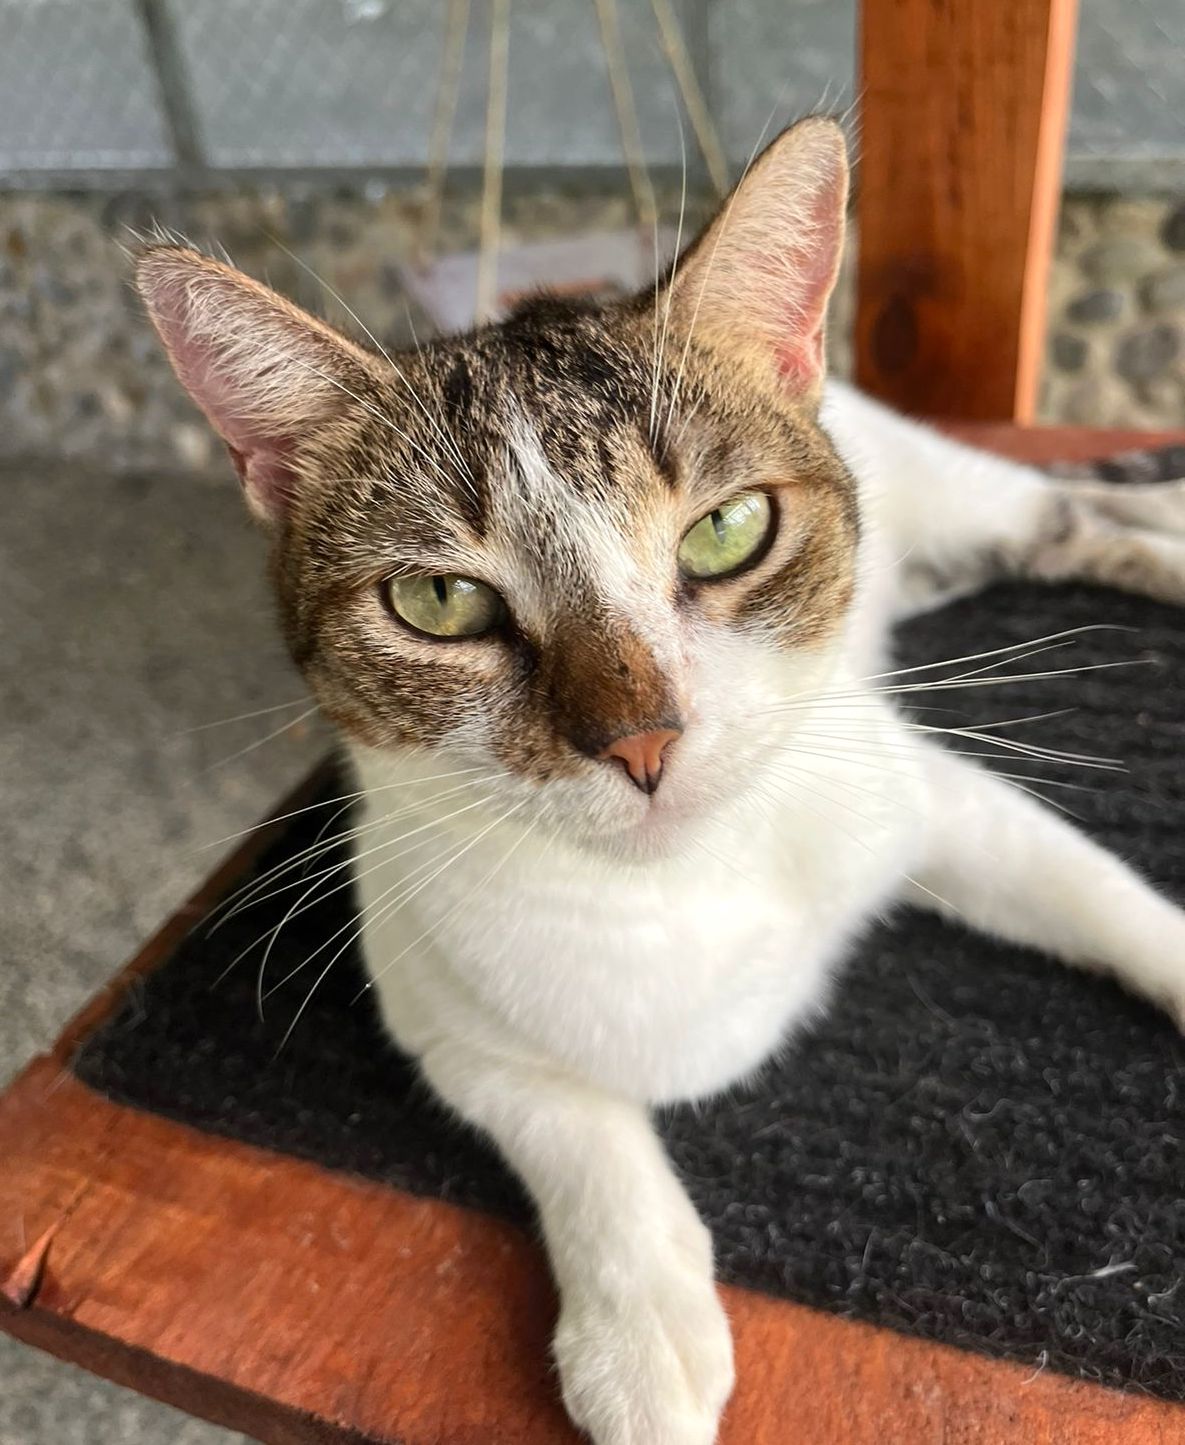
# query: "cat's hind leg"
x,y
1001,862
1094,533
947,520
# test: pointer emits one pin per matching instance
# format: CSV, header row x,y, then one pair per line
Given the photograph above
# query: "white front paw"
x,y
647,1359
1171,998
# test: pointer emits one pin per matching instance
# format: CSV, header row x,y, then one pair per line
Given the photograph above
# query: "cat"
x,y
600,599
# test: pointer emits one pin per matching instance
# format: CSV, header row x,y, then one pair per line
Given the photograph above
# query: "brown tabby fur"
x,y
374,489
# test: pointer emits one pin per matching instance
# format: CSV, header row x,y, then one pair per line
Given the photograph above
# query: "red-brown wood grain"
x,y
301,1305
1043,445
963,114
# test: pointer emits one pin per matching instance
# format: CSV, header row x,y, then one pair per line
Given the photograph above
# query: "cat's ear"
x,y
757,281
266,374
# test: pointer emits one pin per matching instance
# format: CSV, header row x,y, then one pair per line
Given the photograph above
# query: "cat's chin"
x,y
647,844
602,815
657,830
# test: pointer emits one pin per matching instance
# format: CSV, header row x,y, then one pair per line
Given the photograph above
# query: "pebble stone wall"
x,y
81,375
1116,352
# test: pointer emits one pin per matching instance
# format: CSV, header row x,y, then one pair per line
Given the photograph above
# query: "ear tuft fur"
x,y
264,372
757,281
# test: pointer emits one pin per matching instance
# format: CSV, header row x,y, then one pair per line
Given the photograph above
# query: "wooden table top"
x,y
296,1304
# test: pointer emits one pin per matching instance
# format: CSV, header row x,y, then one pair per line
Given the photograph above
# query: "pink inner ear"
x,y
260,457
266,477
799,354
800,364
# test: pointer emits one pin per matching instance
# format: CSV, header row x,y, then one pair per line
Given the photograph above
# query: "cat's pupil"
x,y
718,525
440,587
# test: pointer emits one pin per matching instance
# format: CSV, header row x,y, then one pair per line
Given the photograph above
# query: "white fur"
x,y
589,953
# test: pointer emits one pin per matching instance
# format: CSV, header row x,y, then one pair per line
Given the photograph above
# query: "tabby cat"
x,y
583,590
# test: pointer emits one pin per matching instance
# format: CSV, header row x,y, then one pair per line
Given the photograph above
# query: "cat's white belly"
x,y
663,983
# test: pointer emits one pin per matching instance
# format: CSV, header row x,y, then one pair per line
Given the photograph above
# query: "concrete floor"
x,y
132,610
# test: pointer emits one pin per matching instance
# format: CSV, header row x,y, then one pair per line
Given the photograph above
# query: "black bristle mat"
x,y
976,1145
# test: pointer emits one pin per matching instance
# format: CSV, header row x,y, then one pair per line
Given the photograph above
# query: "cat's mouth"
x,y
648,825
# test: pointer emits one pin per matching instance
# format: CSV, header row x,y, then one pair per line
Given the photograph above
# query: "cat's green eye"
x,y
444,605
728,537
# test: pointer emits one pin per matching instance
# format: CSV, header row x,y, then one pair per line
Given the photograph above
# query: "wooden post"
x,y
963,123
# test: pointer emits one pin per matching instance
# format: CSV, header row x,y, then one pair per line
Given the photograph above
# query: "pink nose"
x,y
641,755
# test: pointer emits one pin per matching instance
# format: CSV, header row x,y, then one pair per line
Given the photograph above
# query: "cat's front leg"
x,y
642,1343
1002,862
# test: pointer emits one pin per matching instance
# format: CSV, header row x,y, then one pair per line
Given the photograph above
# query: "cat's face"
x,y
588,550
547,490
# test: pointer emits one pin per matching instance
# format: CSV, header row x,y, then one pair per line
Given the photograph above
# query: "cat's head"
x,y
590,548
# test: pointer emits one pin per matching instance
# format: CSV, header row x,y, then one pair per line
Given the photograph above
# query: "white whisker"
x,y
348,865
723,224
374,917
404,879
350,835
374,411
241,717
1012,647
448,442
259,742
253,893
660,345
329,802
496,823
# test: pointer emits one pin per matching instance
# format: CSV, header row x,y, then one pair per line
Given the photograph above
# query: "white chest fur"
x,y
658,981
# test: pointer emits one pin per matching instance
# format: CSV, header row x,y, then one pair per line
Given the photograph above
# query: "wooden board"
x,y
301,1305
963,115
1041,446
298,1305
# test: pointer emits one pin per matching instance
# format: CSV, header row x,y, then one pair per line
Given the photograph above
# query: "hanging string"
x,y
491,192
627,118
448,91
456,27
706,135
